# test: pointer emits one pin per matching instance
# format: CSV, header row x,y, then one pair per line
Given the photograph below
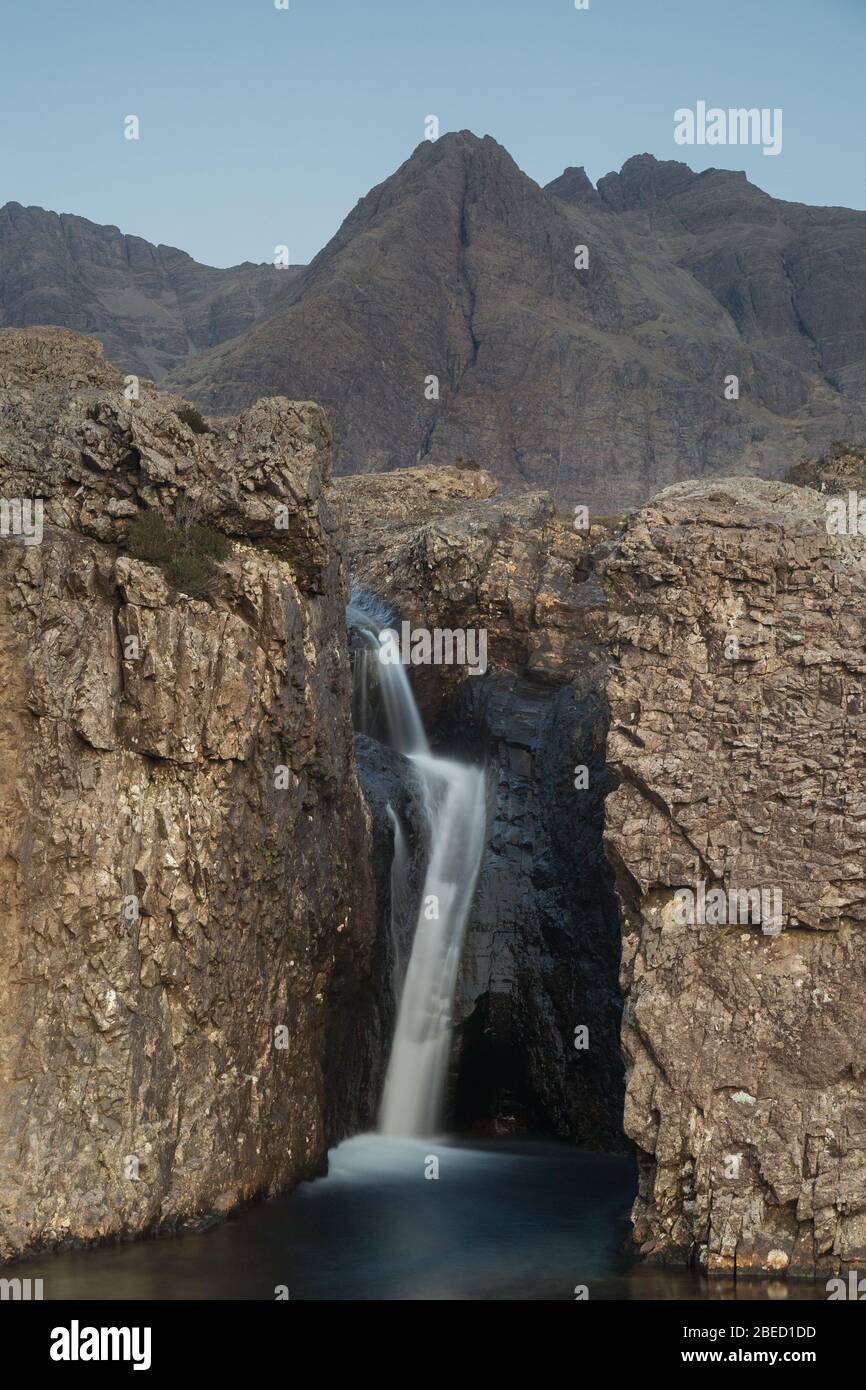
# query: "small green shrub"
x,y
151,538
191,574
205,541
186,552
194,418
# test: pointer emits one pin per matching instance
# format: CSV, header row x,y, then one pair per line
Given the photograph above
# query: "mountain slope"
x,y
603,384
792,277
150,305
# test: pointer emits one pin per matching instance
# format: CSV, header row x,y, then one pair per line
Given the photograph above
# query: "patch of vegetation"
x,y
194,418
269,853
191,574
151,538
841,447
186,552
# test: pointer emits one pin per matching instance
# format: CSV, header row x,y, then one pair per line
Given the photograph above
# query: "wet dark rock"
x,y
392,793
542,947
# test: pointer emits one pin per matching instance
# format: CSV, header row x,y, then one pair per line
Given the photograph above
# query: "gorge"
x,y
304,907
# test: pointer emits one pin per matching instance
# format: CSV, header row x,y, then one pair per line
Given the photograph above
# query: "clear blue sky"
x,y
261,126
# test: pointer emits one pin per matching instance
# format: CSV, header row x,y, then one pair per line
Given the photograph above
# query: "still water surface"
x,y
504,1220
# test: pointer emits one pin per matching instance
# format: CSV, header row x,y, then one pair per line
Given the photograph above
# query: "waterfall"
x,y
453,795
398,722
399,902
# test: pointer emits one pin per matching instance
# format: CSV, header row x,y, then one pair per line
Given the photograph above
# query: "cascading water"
x,y
454,800
399,902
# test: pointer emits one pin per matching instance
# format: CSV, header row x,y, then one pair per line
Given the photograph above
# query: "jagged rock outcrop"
x,y
836,473
168,903
444,551
542,947
150,306
738,741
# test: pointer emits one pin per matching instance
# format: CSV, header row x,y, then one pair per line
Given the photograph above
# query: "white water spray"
x,y
454,800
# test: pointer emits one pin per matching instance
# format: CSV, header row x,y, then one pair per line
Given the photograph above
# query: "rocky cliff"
x,y
186,907
193,994
737,739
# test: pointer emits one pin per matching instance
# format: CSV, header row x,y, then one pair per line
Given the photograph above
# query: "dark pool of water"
x,y
525,1221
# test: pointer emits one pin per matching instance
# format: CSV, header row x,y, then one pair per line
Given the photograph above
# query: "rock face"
x,y
185,853
542,947
600,384
184,849
839,472
444,551
737,739
149,305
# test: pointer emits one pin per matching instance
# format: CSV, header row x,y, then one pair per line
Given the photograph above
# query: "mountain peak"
x,y
644,180
460,140
574,186
458,166
599,380
459,146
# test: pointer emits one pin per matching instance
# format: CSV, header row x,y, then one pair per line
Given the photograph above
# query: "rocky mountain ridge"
x,y
150,306
579,340
448,318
